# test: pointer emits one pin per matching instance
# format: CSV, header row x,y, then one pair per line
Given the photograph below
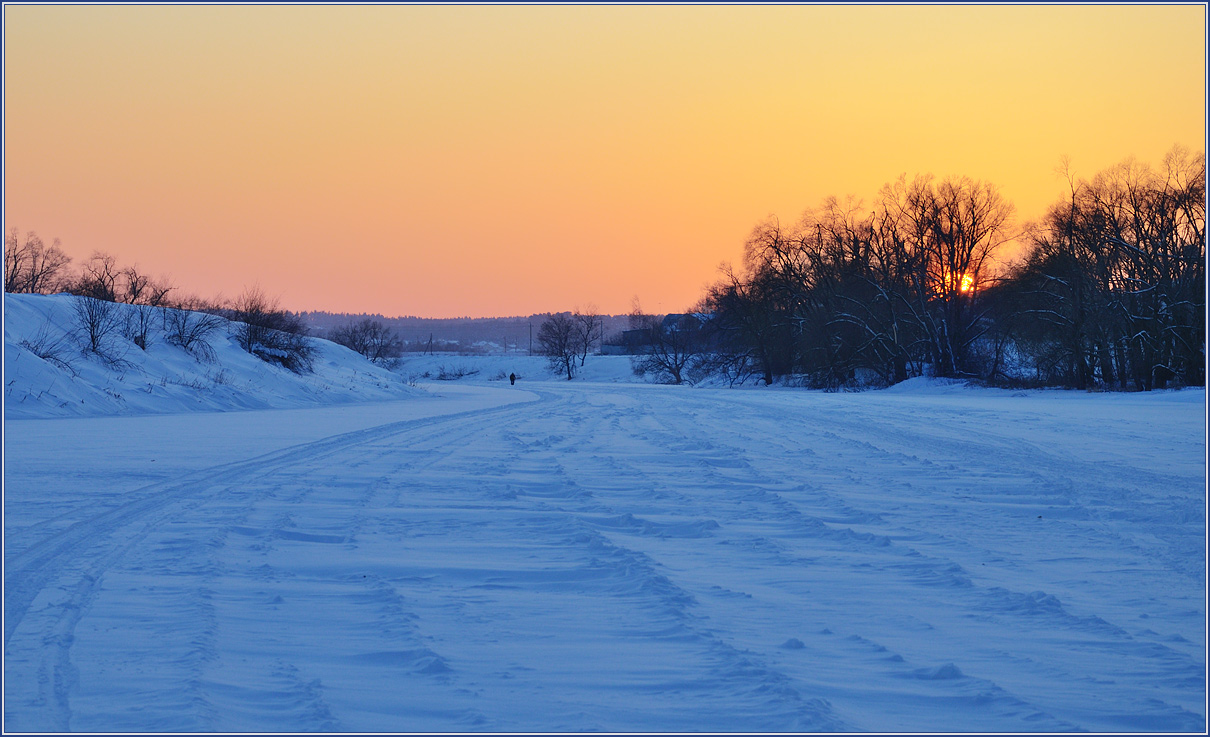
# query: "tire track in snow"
x,y
722,469
579,500
1034,611
78,556
535,481
24,573
727,470
1077,482
776,703
328,510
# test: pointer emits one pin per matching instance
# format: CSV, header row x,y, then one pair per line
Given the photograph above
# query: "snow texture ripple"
x,y
613,557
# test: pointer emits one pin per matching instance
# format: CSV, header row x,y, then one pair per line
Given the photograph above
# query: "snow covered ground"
x,y
608,555
164,378
496,368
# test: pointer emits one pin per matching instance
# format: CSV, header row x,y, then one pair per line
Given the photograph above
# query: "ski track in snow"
x,y
634,558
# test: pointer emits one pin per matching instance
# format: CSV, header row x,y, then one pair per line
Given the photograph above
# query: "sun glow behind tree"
x,y
958,282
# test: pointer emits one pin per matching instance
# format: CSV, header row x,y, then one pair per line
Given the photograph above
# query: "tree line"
x,y
257,323
1109,293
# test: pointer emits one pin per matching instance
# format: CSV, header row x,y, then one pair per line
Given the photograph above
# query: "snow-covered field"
x,y
607,555
496,368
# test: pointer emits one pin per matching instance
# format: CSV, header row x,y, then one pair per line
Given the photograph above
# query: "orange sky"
x,y
501,160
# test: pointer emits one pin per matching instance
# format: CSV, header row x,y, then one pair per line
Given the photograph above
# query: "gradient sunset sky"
x,y
504,160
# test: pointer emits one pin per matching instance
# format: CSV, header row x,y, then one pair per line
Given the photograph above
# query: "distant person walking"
x,y
512,379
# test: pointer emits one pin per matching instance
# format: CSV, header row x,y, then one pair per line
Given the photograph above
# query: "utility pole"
x,y
531,337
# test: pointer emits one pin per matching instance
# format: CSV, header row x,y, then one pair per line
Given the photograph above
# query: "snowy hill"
x,y
66,380
49,373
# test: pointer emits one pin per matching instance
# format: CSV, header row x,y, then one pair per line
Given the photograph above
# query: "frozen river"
x,y
613,557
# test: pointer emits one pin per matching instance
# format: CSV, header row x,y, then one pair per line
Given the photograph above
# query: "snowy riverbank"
x,y
164,378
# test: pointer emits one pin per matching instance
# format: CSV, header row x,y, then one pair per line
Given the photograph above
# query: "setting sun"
x,y
959,282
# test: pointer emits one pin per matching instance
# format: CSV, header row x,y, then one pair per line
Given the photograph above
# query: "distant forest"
x,y
462,334
1108,293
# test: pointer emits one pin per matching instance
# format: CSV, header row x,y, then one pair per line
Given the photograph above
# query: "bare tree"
x,y
51,346
951,231
881,291
1115,279
590,328
271,333
144,295
30,266
752,316
188,324
734,365
99,278
157,292
137,324
558,340
96,320
137,287
851,305
372,339
673,343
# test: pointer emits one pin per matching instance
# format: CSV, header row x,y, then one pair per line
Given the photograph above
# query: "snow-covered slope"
x,y
164,378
